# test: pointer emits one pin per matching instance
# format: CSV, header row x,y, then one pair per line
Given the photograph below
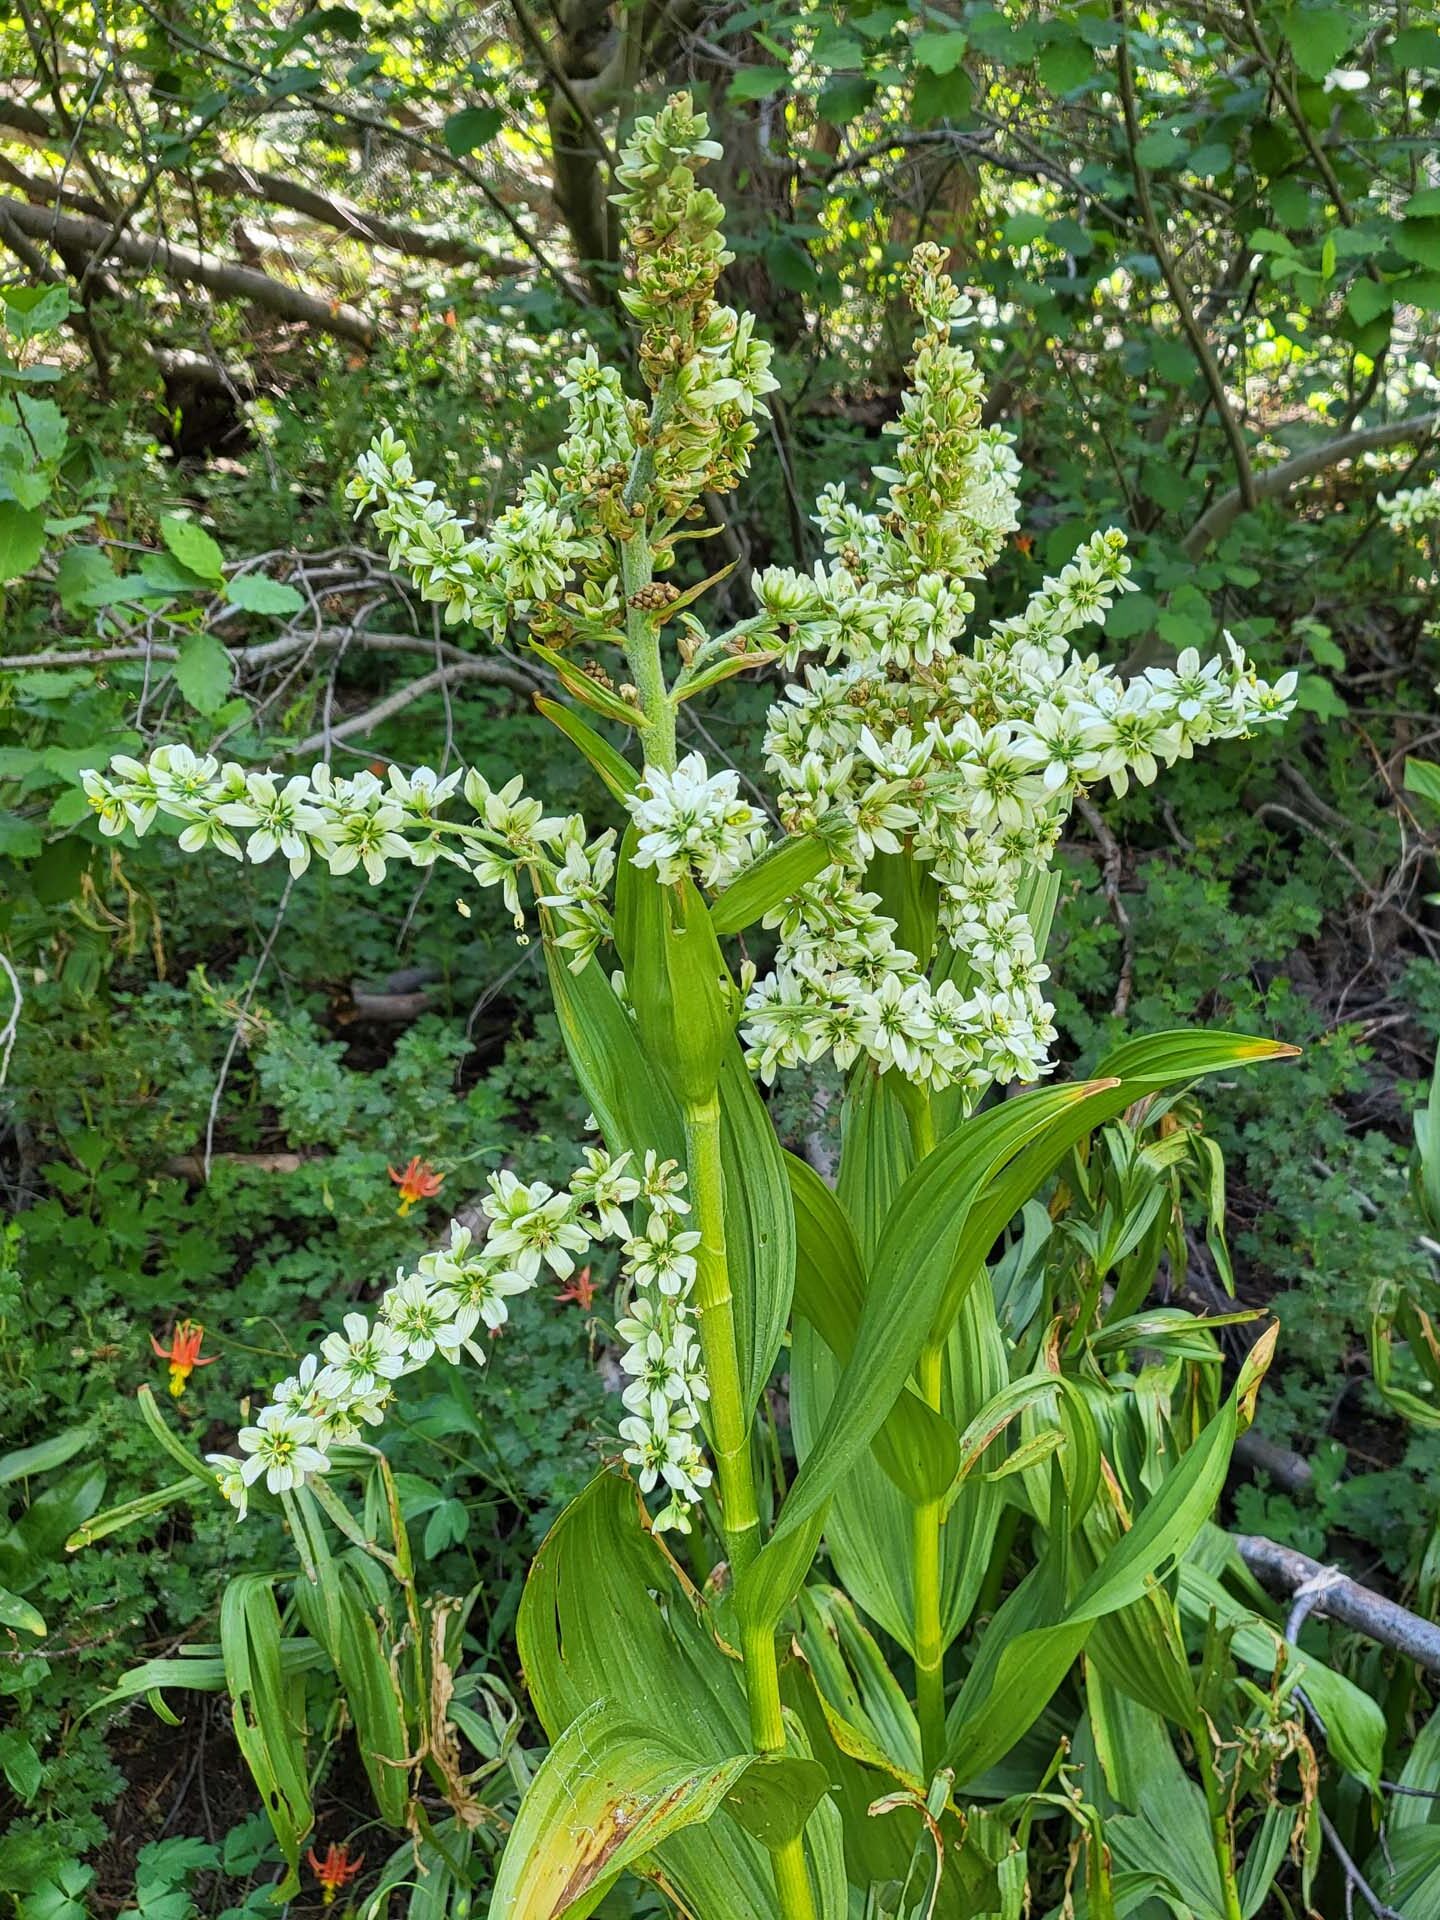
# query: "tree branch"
x,y
1344,1600
1195,333
1221,514
334,211
225,278
496,672
264,652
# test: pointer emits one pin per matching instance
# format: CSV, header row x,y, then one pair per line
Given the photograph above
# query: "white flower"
x,y
279,1446
607,1189
421,1317
662,1447
231,1481
282,817
663,1256
534,1225
360,1359
693,822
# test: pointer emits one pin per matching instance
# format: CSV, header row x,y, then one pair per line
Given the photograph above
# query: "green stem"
x,y
928,1519
928,1632
642,630
734,1469
715,1311
1220,1836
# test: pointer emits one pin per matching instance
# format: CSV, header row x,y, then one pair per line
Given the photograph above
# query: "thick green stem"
x,y
715,1311
642,651
928,1632
1221,1838
642,630
928,1519
734,1469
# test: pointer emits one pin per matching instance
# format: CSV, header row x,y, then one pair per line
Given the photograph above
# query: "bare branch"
x,y
496,672
1275,482
1344,1600
222,277
371,229
1194,332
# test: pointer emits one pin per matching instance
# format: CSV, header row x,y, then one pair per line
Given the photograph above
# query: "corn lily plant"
x,y
1007,1469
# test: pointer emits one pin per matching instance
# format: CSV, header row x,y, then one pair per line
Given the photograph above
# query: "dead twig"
x,y
1111,867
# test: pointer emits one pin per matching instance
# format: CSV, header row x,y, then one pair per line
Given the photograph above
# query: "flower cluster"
x,y
365,822
667,1383
968,761
693,822
552,560
1411,507
439,1308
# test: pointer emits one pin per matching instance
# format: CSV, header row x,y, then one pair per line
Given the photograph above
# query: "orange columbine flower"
x,y
335,1870
419,1181
581,1290
183,1353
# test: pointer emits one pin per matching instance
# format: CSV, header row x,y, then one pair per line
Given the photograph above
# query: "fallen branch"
x,y
1287,1469
1343,1600
1275,482
1111,869
334,211
264,652
191,1166
230,281
496,672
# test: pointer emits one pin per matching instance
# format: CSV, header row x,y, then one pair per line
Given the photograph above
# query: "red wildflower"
x,y
1025,541
183,1353
581,1290
419,1181
335,1870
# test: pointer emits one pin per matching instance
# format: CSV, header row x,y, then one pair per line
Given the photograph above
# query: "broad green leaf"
x,y
915,1447
938,50
609,1792
590,693
41,1531
916,1256
204,672
193,547
22,538
1319,37
1022,1657
1032,1641
83,571
19,1614
20,1764
876,1154
758,83
633,1109
470,128
268,1712
1354,1723
346,1617
1423,777
257,593
44,1455
607,1614
759,1224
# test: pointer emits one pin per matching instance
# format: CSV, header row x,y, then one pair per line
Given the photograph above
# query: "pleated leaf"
x,y
608,1615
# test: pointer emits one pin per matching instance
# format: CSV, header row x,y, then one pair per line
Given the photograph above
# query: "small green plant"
x,y
1007,1470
